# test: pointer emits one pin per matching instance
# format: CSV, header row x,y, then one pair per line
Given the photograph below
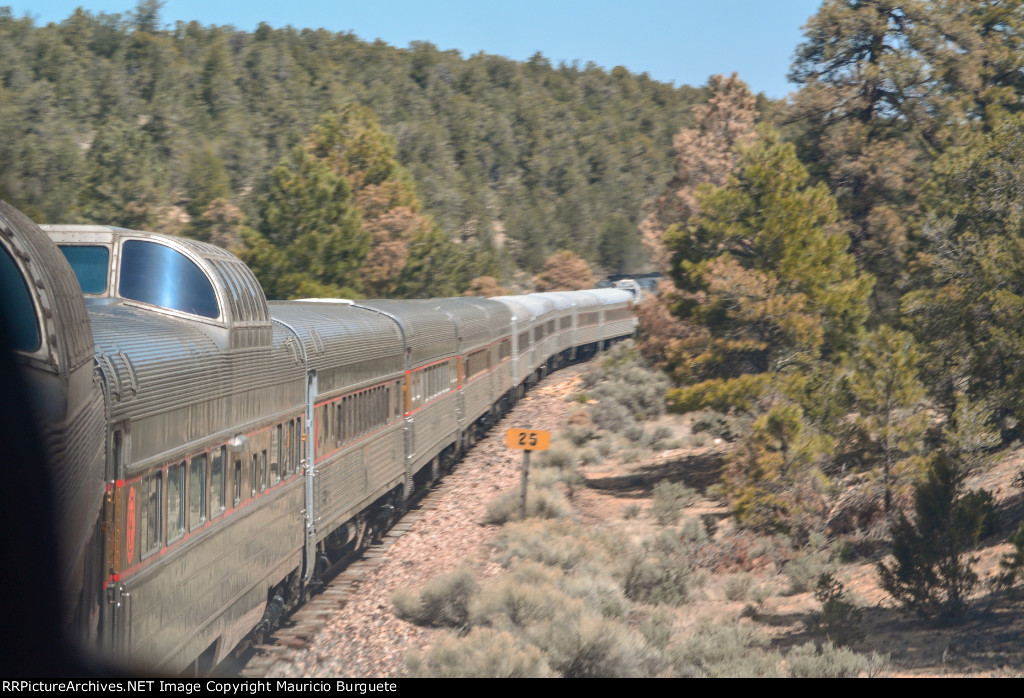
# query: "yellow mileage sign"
x,y
528,439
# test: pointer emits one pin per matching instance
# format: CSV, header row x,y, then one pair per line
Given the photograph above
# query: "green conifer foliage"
x,y
310,241
774,480
967,313
932,569
123,179
889,399
764,271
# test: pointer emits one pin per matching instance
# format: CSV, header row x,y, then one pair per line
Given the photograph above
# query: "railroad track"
x,y
459,499
309,620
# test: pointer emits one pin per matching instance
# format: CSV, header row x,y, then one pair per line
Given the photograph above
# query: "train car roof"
x,y
53,322
165,273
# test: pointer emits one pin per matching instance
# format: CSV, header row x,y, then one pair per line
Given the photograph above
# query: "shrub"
x,y
659,572
590,646
560,455
443,602
509,603
580,434
716,424
599,593
661,439
693,530
557,543
804,571
541,503
840,617
612,416
1012,563
724,650
710,522
657,629
738,586
635,433
831,662
483,653
631,511
668,498
589,456
932,572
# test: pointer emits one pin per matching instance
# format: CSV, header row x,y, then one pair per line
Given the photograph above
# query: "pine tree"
x,y
123,181
764,272
353,144
774,480
705,154
889,89
932,571
310,241
889,399
967,313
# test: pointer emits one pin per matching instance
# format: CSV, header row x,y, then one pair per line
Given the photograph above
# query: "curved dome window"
x,y
19,309
90,264
161,276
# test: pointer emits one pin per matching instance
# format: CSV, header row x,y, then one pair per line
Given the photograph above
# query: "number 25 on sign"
x,y
528,439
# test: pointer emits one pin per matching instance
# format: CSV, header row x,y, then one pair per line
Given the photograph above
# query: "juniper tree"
x,y
932,570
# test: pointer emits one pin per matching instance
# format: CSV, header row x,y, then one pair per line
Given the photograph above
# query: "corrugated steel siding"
x,y
429,331
348,346
172,601
175,384
522,356
54,285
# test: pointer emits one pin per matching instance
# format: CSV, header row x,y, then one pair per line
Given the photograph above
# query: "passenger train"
x,y
215,452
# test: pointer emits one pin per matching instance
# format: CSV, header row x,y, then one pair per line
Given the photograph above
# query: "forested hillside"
x,y
116,119
848,298
847,268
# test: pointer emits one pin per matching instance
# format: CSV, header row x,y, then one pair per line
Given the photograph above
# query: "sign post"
x,y
527,440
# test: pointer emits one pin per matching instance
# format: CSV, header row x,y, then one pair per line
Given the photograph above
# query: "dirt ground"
x,y
988,642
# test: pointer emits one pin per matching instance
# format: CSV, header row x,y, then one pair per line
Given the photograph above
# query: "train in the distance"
x,y
216,453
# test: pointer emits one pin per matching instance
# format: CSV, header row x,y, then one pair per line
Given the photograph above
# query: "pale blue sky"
x,y
680,41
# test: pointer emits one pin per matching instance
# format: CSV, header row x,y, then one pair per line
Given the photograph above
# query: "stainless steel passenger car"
x,y
249,445
48,330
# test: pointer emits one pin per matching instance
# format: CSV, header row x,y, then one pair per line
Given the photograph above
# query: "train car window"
x,y
524,340
298,447
217,494
275,455
254,472
90,264
150,514
477,363
175,502
21,311
286,448
156,274
197,492
238,482
263,470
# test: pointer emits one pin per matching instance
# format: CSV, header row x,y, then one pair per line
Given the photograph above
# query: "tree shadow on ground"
x,y
699,470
